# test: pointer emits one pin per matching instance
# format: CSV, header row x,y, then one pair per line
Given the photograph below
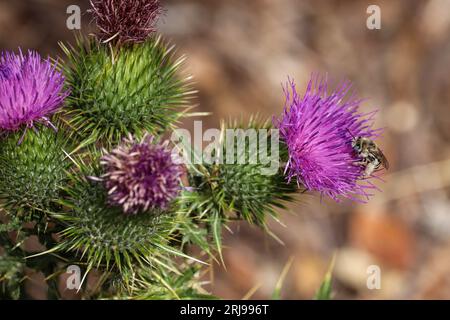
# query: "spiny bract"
x,y
33,172
246,188
118,91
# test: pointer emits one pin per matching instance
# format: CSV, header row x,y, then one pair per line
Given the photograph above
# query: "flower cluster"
x,y
125,21
318,129
141,175
31,89
126,84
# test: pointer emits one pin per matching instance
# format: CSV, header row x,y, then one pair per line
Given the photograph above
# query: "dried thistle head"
x,y
125,21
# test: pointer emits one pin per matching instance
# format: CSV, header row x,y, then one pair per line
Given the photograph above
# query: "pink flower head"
x,y
318,129
31,90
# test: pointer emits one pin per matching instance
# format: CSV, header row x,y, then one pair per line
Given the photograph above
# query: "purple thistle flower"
x,y
318,129
141,175
125,20
30,90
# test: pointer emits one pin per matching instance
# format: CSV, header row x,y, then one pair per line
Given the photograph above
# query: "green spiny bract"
x,y
246,189
118,91
103,236
252,194
33,171
183,285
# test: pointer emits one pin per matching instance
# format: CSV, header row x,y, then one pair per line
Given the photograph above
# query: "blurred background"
x,y
240,52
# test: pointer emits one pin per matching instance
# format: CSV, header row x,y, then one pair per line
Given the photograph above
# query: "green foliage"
x,y
189,226
33,171
11,276
325,290
166,285
117,91
14,224
276,295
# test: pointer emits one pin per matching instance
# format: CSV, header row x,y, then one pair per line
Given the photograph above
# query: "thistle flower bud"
x,y
33,172
133,90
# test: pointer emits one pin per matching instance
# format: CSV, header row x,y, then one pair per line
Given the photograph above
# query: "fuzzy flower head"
x,y
125,21
318,129
31,90
141,175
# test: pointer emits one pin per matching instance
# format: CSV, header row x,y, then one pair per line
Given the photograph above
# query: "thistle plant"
x,y
84,165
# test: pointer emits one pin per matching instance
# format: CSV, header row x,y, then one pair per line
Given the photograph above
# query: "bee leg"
x,y
370,168
360,163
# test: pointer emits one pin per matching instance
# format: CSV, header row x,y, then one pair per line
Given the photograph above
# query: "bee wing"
x,y
384,161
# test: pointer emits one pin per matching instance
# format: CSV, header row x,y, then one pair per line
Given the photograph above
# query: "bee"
x,y
370,155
